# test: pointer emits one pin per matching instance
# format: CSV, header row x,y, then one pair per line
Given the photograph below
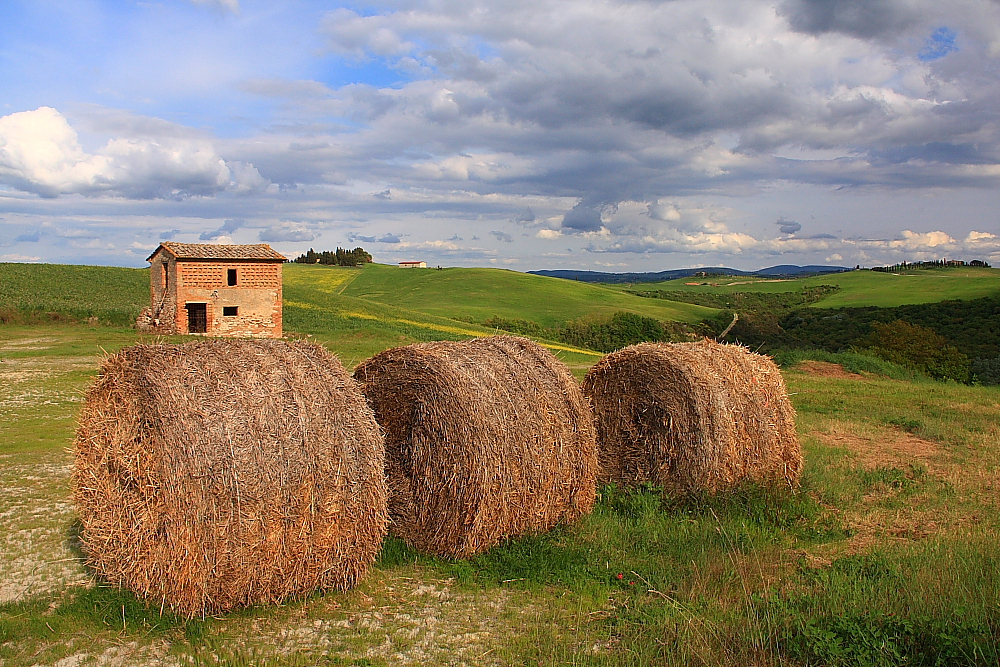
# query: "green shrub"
x,y
602,334
985,371
919,348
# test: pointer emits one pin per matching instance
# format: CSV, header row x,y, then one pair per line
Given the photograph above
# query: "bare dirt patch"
x,y
825,369
895,450
408,622
21,344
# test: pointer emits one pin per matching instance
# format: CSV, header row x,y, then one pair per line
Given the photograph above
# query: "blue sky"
x,y
594,134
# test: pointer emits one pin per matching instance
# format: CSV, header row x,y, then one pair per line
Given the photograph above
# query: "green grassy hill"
x,y
112,294
857,288
360,311
479,294
314,304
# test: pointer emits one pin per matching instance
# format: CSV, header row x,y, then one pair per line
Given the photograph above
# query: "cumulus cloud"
x,y
634,127
32,237
583,217
227,229
502,236
787,226
287,232
917,241
353,34
862,18
524,217
384,238
41,153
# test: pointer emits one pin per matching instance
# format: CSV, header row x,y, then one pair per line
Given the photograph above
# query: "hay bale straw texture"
x,y
229,473
692,417
485,439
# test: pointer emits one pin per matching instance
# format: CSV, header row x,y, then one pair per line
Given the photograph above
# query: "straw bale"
x,y
485,439
228,473
692,417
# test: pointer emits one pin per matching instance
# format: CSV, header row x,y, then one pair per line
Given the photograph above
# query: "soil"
x,y
899,449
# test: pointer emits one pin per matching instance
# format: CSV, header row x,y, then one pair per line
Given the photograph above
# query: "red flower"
x,y
621,576
631,583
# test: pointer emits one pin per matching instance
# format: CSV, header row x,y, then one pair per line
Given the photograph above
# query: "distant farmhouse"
x,y
214,290
413,265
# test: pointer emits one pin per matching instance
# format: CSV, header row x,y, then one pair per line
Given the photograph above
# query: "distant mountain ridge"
x,y
673,274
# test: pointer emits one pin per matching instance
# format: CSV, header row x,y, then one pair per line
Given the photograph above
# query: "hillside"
x,y
672,274
112,294
857,288
480,294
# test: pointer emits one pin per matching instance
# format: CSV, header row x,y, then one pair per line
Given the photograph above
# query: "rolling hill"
x,y
478,294
857,288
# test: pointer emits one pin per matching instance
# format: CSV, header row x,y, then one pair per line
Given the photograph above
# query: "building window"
x,y
166,277
231,274
230,311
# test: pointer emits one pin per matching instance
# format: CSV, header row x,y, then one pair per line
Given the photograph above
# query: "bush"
x,y
919,348
986,371
602,334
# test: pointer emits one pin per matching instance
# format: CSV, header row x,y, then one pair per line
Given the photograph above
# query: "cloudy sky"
x,y
598,134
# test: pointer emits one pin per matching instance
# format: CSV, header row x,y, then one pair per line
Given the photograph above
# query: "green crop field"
x,y
857,288
111,294
887,555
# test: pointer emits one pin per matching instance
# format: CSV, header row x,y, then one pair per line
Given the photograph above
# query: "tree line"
x,y
338,257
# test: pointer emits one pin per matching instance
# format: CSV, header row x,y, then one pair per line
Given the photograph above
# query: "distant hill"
x,y
662,276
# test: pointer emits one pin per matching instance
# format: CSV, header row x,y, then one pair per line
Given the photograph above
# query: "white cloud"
x,y
41,153
287,231
357,35
19,258
917,241
977,237
548,234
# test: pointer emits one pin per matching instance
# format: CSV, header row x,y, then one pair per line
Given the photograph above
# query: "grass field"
x,y
479,294
887,556
857,288
111,294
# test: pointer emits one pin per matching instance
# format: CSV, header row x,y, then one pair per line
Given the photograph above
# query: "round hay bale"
x,y
228,473
692,417
485,439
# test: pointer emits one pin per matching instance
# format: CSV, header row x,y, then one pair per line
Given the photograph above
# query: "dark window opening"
x,y
166,277
197,317
230,310
231,274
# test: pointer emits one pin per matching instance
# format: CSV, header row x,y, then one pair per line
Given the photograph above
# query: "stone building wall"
x,y
256,297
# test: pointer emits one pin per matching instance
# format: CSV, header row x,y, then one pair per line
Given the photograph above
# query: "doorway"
x,y
197,317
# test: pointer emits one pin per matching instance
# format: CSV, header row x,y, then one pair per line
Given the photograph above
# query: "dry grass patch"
x,y
893,448
36,536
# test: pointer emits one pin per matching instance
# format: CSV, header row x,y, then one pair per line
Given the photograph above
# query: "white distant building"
x,y
413,265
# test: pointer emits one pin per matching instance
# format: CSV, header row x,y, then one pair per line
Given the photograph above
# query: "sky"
x,y
606,135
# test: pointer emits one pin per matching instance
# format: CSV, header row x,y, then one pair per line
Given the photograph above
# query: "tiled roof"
x,y
214,251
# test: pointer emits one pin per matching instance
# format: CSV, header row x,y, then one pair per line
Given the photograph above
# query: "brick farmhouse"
x,y
214,290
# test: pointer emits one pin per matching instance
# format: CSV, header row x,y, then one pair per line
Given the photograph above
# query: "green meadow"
x,y
479,294
857,288
888,555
